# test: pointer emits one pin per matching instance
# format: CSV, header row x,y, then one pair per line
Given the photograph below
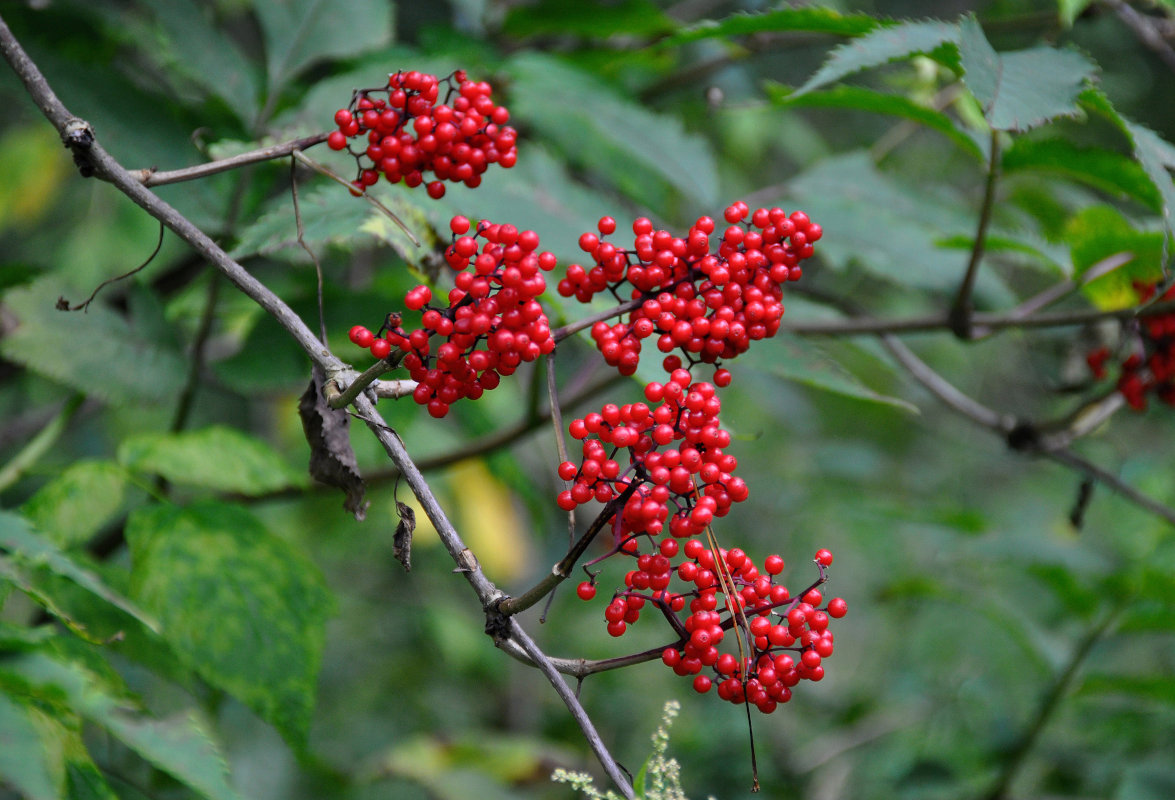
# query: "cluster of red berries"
x,y
674,453
401,132
674,473
1150,365
781,639
492,322
710,305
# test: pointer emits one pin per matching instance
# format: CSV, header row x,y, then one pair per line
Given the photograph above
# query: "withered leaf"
x,y
402,542
332,461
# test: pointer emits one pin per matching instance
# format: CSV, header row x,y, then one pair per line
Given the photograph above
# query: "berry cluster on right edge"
x,y
1150,366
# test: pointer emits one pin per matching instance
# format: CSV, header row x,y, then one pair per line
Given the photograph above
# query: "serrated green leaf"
x,y
880,47
181,745
598,129
1153,154
241,607
218,457
330,215
1097,233
28,548
882,225
803,361
588,20
23,754
97,352
862,99
198,50
807,20
77,503
1101,169
300,33
1037,254
1025,88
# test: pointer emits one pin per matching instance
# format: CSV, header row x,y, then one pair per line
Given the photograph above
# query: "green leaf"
x,y
807,20
1070,10
596,128
588,20
330,216
180,745
1097,233
98,352
1025,88
1039,253
880,47
863,99
1101,169
241,607
1155,155
797,359
218,457
77,503
198,50
300,33
1148,688
23,754
885,226
30,549
1060,580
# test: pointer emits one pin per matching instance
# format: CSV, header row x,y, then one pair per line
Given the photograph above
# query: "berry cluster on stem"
x,y
401,132
1149,366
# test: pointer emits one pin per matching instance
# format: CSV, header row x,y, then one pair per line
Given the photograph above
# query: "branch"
x,y
962,308
93,159
152,177
1144,30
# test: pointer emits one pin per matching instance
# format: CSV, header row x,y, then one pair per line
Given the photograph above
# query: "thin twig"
x,y
152,177
962,308
1145,29
1113,482
63,304
40,444
306,247
559,334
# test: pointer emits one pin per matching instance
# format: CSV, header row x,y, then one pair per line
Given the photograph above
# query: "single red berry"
x,y
336,140
837,607
702,683
823,557
586,590
381,348
435,189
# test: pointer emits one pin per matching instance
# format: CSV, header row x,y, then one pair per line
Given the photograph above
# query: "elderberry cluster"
x,y
400,132
666,458
1150,365
491,324
710,305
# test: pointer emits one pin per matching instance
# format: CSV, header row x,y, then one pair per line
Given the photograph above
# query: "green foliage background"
x,y
182,614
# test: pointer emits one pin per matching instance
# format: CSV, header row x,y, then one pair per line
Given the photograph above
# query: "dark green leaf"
x,y
1147,688
596,128
77,503
1021,89
1072,593
880,47
241,607
97,352
885,226
808,20
589,20
218,457
198,50
330,215
1070,10
798,359
863,99
1104,170
300,33
28,548
181,745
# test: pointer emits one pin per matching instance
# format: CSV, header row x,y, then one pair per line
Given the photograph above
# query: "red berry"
x,y
823,557
586,590
381,348
837,607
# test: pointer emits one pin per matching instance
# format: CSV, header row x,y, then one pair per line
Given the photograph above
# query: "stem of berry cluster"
x,y
154,177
